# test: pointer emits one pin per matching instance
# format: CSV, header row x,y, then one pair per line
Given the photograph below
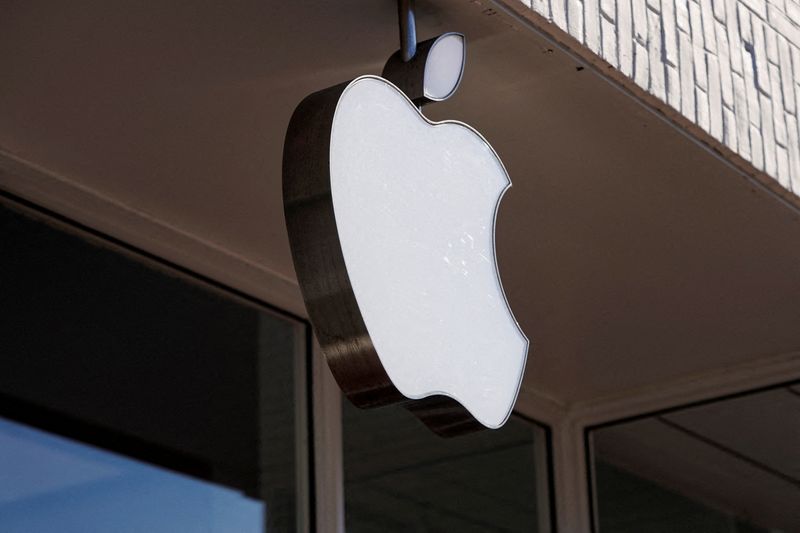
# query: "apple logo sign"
x,y
391,221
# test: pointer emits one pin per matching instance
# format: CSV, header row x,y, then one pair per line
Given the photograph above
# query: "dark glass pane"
x,y
401,477
99,347
631,504
731,466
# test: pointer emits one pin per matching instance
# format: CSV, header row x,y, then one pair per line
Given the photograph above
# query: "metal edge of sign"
x,y
409,76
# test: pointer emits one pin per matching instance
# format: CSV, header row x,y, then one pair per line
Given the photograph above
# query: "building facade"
x,y
159,371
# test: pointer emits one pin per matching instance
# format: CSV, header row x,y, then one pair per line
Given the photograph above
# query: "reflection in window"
x,y
51,484
731,466
401,477
104,349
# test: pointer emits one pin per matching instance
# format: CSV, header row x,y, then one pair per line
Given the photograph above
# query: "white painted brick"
x,y
742,116
754,112
714,99
793,147
787,87
625,36
745,26
756,147
797,99
719,10
759,7
783,25
777,106
640,21
772,44
782,171
696,20
709,37
726,84
734,39
609,33
700,72
729,129
575,18
793,11
731,66
760,55
542,7
795,52
687,77
591,24
558,8
670,33
682,16
609,9
702,108
780,4
768,135
641,73
657,75
673,87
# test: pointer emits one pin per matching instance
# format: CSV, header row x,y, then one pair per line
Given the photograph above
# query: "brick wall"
x,y
730,66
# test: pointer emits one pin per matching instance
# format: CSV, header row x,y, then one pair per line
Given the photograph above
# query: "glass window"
x,y
49,484
135,359
399,476
731,466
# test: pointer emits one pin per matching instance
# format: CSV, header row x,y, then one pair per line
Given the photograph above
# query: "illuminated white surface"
x,y
415,210
444,66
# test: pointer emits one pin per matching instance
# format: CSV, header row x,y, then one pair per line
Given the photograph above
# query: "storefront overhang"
x,y
633,255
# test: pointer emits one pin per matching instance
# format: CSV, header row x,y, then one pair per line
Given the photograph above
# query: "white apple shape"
x,y
415,204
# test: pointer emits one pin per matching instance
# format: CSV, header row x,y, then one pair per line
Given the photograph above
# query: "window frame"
x,y
591,477
20,411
